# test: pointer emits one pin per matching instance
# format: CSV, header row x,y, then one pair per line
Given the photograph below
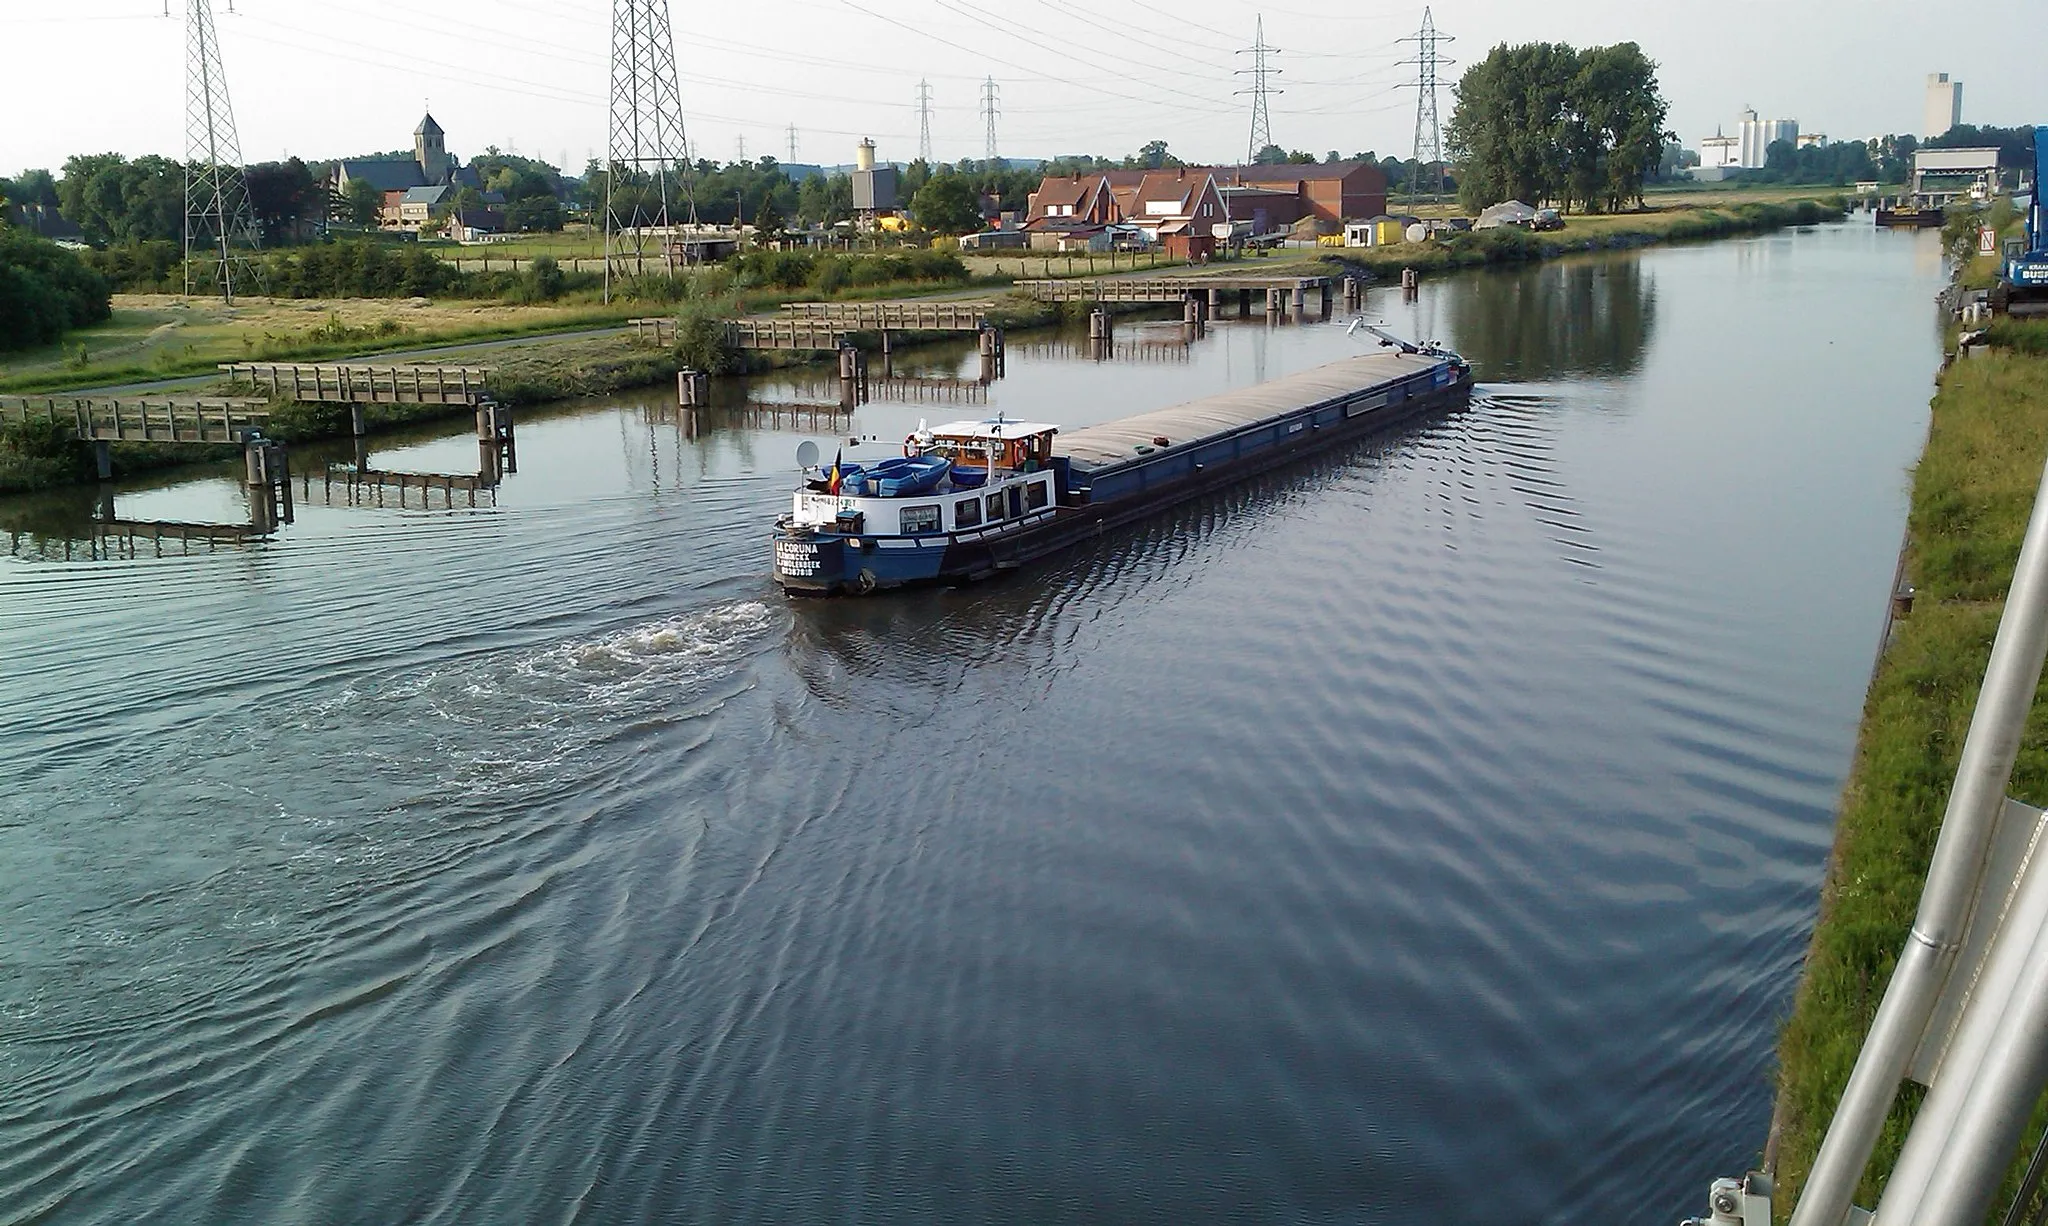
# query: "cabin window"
x,y
967,513
1034,495
920,519
995,507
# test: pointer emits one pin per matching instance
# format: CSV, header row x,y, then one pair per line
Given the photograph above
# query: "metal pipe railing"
x,y
2001,1098
1923,1159
1953,878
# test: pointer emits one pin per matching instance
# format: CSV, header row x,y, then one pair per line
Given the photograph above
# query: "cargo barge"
x,y
972,499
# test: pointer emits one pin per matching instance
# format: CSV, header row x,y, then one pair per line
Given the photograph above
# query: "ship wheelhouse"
x,y
988,477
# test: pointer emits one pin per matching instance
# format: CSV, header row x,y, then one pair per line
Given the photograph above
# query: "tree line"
x,y
1548,123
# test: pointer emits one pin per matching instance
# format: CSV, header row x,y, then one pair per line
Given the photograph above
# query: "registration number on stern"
x,y
796,558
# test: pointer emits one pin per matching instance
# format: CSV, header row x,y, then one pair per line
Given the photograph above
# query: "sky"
x,y
327,78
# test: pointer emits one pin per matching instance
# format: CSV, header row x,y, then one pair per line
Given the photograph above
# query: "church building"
x,y
431,165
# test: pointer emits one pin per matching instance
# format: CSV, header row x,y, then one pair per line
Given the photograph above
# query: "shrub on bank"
x,y
2028,336
45,291
38,454
700,339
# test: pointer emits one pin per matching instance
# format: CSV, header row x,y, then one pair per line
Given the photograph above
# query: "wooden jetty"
x,y
808,334
353,384
125,533
907,389
896,316
817,417
784,334
143,419
1207,289
1106,350
343,485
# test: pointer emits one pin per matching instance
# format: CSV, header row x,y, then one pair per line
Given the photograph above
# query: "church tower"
x,y
429,147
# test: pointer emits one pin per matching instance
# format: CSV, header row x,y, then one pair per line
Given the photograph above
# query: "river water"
x,y
1426,833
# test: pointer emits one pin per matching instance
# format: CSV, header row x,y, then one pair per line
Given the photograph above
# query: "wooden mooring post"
x,y
994,354
270,483
497,440
853,375
693,389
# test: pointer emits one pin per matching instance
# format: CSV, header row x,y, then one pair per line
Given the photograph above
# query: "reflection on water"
x,y
1567,318
1455,801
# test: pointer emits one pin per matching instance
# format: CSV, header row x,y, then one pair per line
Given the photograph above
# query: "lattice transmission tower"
x,y
792,144
1262,121
647,150
924,121
219,225
990,108
1429,135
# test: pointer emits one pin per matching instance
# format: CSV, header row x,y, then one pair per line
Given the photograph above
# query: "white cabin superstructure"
x,y
1000,481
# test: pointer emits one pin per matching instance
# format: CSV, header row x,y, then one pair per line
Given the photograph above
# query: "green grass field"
x,y
156,336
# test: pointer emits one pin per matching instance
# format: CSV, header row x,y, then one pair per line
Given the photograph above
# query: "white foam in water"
x,y
686,648
495,722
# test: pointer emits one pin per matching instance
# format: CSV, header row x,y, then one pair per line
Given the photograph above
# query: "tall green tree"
x,y
947,205
115,200
34,187
362,203
1545,122
281,194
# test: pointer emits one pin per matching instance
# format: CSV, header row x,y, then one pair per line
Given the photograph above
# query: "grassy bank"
x,y
160,336
1972,493
1595,232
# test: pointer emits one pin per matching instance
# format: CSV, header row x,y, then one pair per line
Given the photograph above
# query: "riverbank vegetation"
x,y
1584,232
1972,493
45,291
157,336
369,309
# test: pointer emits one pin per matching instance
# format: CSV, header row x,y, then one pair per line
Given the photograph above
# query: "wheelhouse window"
x,y
967,513
1034,495
920,519
995,507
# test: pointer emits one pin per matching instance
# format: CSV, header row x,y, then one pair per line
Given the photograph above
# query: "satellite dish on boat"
x,y
807,454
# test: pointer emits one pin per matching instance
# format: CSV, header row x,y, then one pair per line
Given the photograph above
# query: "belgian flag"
x,y
832,482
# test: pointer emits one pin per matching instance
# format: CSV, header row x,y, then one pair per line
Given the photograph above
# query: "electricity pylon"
x,y
924,122
646,140
218,220
990,108
1262,122
1429,136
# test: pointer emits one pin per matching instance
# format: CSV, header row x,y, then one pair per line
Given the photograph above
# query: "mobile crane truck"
x,y
2022,287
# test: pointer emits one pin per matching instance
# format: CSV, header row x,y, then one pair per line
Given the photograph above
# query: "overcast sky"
x,y
324,78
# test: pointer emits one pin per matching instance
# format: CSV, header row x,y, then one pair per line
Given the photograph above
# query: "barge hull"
x,y
1118,473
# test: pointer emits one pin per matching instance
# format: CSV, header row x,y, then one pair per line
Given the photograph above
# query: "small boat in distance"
x,y
970,499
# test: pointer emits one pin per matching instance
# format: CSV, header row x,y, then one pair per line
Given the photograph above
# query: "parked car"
x,y
1547,219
